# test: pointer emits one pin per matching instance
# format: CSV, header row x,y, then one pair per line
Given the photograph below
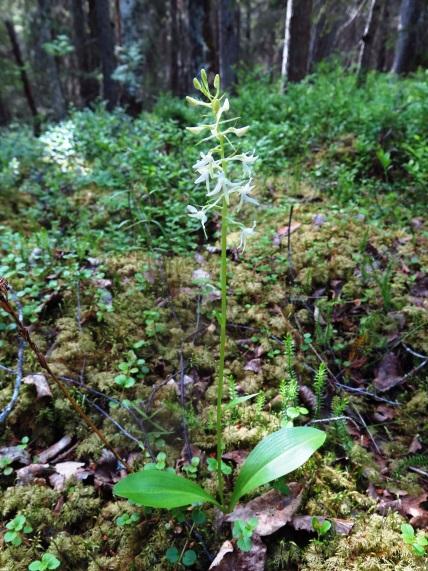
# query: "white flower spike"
x,y
227,177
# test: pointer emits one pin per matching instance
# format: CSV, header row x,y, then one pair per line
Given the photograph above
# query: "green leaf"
x,y
418,550
189,558
157,489
172,555
9,536
35,566
408,532
50,561
239,400
276,455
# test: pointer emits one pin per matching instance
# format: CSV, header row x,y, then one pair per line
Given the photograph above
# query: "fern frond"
x,y
319,387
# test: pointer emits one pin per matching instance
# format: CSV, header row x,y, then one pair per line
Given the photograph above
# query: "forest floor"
x,y
134,336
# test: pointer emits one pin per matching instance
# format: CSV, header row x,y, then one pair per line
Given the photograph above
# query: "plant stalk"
x,y
223,320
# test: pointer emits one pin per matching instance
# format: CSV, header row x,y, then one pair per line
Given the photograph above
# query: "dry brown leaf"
x,y
388,375
284,231
28,473
415,445
15,454
304,522
237,456
416,507
255,365
272,510
40,382
384,412
68,469
230,558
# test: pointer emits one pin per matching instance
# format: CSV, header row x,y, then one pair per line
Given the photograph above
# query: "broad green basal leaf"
x,y
276,455
157,489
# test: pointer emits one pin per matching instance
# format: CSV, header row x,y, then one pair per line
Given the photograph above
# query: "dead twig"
x,y
25,335
19,372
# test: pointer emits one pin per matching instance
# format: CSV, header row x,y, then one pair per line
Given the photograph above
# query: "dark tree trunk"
x,y
198,46
174,54
105,33
409,12
383,37
87,82
4,114
94,51
228,23
28,92
297,40
47,64
365,56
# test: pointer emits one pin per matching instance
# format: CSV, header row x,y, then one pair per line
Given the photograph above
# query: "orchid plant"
x,y
288,448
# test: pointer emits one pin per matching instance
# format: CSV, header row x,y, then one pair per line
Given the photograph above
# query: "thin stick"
x,y
187,446
290,269
24,334
18,373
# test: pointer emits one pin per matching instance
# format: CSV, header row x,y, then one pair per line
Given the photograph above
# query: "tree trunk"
x,y
174,54
4,114
409,13
48,66
383,37
297,40
228,19
199,50
87,81
28,92
365,55
105,33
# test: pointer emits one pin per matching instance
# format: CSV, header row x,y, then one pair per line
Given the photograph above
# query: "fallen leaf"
x,y
15,454
416,507
40,382
68,469
384,413
28,473
415,445
284,231
255,365
272,510
388,375
304,522
237,456
230,558
319,219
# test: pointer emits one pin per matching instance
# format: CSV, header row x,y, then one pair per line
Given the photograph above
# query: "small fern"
x,y
319,387
289,352
338,407
417,460
233,391
260,403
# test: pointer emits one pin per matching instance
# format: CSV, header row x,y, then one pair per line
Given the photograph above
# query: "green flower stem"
x,y
223,320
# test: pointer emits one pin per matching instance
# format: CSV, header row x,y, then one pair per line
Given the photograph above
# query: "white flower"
x,y
247,162
14,165
245,234
222,184
198,215
205,167
244,193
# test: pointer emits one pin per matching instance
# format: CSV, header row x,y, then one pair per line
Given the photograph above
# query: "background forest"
x,y
128,52
111,291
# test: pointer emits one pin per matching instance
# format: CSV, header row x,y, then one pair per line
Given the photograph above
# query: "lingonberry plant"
x,y
280,452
